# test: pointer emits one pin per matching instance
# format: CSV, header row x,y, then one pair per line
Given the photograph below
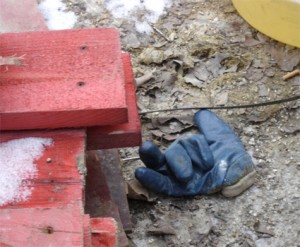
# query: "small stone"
x,y
269,72
263,90
48,160
132,41
151,240
252,141
249,130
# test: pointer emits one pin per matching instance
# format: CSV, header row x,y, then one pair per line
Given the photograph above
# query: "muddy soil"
x,y
208,55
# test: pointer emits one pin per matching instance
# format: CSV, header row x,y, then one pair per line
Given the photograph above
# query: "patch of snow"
x,y
254,160
56,16
130,9
17,159
223,166
143,27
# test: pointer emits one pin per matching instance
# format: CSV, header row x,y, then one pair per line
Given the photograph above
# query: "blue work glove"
x,y
205,163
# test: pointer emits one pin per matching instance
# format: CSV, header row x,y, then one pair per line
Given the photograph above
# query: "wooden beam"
x,y
69,78
122,135
101,197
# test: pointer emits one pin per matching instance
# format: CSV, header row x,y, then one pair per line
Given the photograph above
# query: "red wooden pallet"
x,y
121,135
69,78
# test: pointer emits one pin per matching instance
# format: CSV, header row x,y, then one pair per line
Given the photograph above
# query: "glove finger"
x,y
198,150
152,157
214,128
179,162
158,182
213,180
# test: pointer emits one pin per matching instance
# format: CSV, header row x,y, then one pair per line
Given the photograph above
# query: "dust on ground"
x,y
208,55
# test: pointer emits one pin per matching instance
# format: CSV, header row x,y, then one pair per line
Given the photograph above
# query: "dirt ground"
x,y
213,57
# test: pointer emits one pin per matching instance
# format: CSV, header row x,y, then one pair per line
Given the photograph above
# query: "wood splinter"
x,y
291,74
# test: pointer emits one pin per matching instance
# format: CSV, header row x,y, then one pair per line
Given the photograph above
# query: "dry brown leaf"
x,y
250,41
286,58
171,138
214,64
173,127
161,230
157,133
198,75
135,190
254,74
221,98
260,227
167,80
151,55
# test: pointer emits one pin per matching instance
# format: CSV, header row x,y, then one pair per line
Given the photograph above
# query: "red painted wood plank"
x,y
18,16
122,135
41,227
87,239
70,78
57,181
104,232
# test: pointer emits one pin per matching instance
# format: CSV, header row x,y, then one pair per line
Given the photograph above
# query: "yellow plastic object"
x,y
279,19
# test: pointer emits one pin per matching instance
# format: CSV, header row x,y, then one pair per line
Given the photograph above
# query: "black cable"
x,y
275,102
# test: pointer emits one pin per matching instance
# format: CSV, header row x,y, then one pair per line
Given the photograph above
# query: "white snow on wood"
x,y
131,9
56,16
17,159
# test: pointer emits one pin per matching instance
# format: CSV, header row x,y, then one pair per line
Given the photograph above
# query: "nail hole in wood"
x,y
81,83
49,230
83,47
